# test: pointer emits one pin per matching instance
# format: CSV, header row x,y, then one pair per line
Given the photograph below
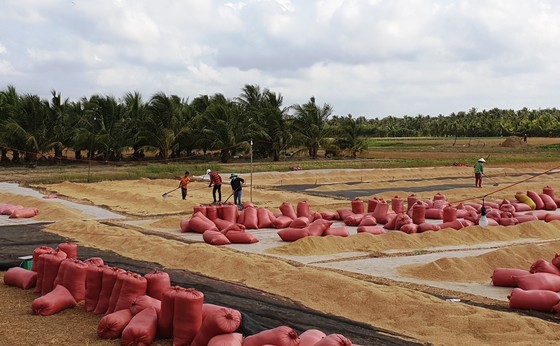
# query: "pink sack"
x,y
251,219
544,266
187,318
434,213
310,337
353,220
380,212
334,340
70,248
20,277
56,300
344,213
303,209
536,199
143,302
397,204
504,277
539,300
282,222
184,225
236,237
21,213
318,227
216,321
107,285
112,325
426,226
551,217
368,220
329,215
158,281
75,278
134,285
300,222
231,339
142,328
538,281
215,238
548,202
418,213
279,336
371,229
165,320
341,231
293,234
453,224
409,228
263,218
357,206
222,224
287,210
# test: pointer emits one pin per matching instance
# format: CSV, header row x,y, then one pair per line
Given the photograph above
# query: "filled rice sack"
x,y
236,237
538,281
215,238
55,301
310,337
539,300
279,336
293,234
504,277
142,328
112,325
158,281
20,277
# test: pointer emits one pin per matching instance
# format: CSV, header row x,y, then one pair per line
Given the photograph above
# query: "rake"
x,y
167,193
492,180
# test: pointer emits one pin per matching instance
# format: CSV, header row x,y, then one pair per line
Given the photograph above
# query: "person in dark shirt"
x,y
237,187
215,180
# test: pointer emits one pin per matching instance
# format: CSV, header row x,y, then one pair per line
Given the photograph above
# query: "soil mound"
x,y
513,142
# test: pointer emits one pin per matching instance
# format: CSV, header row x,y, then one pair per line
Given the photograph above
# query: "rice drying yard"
x,y
394,288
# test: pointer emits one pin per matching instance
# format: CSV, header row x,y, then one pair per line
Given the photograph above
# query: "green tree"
x,y
310,125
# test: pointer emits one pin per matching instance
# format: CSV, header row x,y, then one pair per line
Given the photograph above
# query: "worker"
x,y
479,172
183,183
237,187
215,180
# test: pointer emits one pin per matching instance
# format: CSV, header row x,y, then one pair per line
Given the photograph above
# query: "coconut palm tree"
x,y
165,123
310,125
223,127
269,124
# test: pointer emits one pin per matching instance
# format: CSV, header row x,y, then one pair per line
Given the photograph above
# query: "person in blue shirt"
x,y
237,187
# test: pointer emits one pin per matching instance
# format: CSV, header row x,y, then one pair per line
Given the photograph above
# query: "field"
x,y
429,288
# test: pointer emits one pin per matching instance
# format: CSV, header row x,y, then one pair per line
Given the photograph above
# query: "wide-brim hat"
x,y
232,175
208,171
481,160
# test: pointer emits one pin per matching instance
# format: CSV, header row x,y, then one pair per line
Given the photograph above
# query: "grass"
x,y
382,153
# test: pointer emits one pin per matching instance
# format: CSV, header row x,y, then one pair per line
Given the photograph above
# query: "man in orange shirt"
x,y
183,183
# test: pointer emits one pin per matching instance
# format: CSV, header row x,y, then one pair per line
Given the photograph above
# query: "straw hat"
x,y
481,160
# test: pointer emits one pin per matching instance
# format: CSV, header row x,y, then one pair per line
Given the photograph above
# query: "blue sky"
x,y
370,58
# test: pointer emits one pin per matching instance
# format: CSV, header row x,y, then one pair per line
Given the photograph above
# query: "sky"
x,y
372,58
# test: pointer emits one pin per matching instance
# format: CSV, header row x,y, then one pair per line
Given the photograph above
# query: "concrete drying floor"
x,y
354,262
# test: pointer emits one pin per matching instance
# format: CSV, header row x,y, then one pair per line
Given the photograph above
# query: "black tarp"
x,y
260,310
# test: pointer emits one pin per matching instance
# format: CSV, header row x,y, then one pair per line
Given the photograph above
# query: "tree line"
x,y
105,127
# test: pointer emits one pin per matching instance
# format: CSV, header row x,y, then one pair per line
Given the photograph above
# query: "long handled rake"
x,y
492,180
167,193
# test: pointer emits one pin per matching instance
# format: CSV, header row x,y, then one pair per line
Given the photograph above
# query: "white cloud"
x,y
372,58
